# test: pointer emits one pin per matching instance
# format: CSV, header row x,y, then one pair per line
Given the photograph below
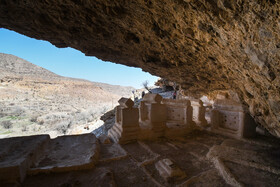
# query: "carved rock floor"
x,y
207,160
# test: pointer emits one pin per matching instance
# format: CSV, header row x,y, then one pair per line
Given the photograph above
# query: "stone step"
x,y
114,133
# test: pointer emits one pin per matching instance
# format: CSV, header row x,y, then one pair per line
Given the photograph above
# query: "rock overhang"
x,y
204,45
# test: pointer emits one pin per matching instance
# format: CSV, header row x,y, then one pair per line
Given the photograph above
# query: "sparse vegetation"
x,y
24,129
63,127
6,132
145,85
41,102
34,119
13,117
6,124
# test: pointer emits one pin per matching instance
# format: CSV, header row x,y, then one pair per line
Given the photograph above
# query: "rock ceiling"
x,y
204,45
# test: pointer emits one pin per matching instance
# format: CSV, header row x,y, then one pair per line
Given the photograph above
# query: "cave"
x,y
205,46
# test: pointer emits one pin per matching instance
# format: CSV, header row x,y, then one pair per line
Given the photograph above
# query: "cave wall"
x,y
204,45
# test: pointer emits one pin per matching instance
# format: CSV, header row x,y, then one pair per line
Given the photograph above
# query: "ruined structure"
x,y
157,117
126,126
199,113
179,117
198,158
231,119
152,117
202,45
156,144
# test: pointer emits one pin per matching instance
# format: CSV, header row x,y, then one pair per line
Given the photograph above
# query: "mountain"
x,y
11,65
34,100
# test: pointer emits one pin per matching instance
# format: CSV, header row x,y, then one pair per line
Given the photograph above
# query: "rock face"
x,y
204,45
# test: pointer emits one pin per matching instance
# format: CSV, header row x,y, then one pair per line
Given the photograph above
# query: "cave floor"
x,y
207,160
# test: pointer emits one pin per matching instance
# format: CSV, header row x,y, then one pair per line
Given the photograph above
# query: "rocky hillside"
x,y
17,67
34,100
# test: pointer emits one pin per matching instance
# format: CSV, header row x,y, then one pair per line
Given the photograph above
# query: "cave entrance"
x,y
45,89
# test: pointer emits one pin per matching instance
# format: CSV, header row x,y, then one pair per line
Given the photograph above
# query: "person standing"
x,y
143,94
174,94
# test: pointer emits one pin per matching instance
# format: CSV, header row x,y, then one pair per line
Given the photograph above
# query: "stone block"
x,y
169,171
179,117
104,139
18,154
126,102
68,153
130,117
144,111
152,98
157,113
152,117
118,113
126,128
199,113
179,112
232,119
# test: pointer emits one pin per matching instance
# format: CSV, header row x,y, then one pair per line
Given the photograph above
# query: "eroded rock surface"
x,y
67,153
31,155
19,154
204,45
199,159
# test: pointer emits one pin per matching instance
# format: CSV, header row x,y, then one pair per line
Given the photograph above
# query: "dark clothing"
x,y
143,94
174,95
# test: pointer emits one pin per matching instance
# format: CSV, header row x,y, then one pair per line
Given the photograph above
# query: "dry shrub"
x,y
34,119
7,124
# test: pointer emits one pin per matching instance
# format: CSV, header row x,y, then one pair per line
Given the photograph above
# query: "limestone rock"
x,y
168,170
202,45
126,128
125,102
18,154
230,118
104,139
68,153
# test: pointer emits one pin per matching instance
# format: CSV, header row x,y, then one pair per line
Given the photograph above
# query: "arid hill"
x,y
34,100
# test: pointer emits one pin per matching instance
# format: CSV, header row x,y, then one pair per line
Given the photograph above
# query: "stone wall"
x,y
157,117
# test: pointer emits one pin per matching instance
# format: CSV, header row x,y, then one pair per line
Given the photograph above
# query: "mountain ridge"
x,y
9,67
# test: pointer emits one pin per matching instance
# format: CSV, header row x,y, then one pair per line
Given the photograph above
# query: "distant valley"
x,y
34,100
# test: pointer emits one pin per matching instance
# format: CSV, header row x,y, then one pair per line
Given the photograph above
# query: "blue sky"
x,y
70,62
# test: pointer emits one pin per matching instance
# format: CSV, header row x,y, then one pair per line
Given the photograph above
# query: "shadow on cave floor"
x,y
206,159
203,159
